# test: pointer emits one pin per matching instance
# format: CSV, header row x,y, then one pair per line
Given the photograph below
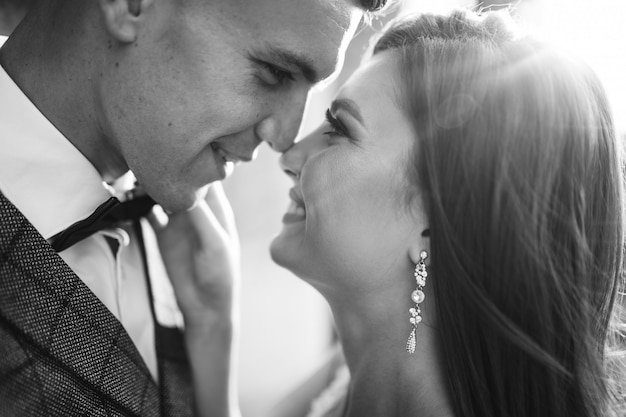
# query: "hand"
x,y
200,250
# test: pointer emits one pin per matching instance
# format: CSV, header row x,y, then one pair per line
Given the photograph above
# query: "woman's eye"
x,y
338,128
277,75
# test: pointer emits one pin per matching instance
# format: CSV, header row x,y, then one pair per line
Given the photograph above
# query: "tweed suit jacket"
x,y
62,353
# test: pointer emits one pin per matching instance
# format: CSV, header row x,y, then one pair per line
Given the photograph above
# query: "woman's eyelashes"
x,y
338,128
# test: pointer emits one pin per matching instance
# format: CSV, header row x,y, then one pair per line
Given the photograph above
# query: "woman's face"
x,y
349,217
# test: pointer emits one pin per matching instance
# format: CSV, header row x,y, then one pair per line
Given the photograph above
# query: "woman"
x,y
461,211
497,158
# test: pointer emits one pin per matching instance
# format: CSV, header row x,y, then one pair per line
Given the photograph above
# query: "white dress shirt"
x,y
54,186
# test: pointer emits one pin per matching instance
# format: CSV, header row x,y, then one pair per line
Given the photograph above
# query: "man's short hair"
x,y
371,5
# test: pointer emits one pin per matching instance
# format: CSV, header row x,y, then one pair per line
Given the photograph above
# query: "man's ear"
x,y
122,18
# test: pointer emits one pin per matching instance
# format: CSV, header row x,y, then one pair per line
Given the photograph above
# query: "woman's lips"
x,y
295,211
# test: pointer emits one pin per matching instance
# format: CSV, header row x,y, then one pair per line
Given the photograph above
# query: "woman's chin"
x,y
279,252
289,253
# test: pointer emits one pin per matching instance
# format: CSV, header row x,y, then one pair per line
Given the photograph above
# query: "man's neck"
x,y
63,85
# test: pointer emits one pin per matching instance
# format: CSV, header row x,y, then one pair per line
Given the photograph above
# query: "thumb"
x,y
158,218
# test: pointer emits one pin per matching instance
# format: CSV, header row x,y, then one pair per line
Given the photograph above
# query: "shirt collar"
x,y
41,172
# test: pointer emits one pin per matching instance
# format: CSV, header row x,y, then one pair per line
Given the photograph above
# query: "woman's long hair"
x,y
520,170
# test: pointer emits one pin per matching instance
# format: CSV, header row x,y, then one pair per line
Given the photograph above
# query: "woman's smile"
x,y
295,211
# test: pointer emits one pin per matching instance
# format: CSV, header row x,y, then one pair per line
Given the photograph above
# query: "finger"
x,y
219,204
203,222
157,218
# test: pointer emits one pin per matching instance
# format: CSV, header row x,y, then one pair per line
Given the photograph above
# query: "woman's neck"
x,y
386,379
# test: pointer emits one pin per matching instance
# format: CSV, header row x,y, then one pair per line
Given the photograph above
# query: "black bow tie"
x,y
109,214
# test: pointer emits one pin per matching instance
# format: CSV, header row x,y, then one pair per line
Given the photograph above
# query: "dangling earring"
x,y
417,296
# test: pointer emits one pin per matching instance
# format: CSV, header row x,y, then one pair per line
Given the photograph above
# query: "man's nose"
x,y
280,128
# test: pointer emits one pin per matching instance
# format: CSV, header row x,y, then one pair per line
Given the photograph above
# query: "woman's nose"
x,y
294,158
291,160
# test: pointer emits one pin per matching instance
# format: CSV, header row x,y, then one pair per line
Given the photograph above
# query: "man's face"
x,y
208,81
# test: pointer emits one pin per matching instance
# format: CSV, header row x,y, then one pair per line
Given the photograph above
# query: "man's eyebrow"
x,y
295,59
349,106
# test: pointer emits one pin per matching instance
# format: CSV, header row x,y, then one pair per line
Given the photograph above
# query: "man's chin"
x,y
179,204
201,194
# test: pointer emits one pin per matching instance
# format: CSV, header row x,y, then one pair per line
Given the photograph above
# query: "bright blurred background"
x,y
286,326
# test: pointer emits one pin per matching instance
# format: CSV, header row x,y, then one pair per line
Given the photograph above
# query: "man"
x,y
11,13
175,91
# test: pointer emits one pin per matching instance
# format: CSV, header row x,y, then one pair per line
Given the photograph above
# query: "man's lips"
x,y
226,161
229,156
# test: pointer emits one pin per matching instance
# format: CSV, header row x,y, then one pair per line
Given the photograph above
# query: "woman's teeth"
x,y
295,209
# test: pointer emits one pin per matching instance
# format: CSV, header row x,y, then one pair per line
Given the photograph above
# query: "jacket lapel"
x,y
56,312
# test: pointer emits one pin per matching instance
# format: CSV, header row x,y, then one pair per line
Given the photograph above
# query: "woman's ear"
x,y
419,245
122,18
